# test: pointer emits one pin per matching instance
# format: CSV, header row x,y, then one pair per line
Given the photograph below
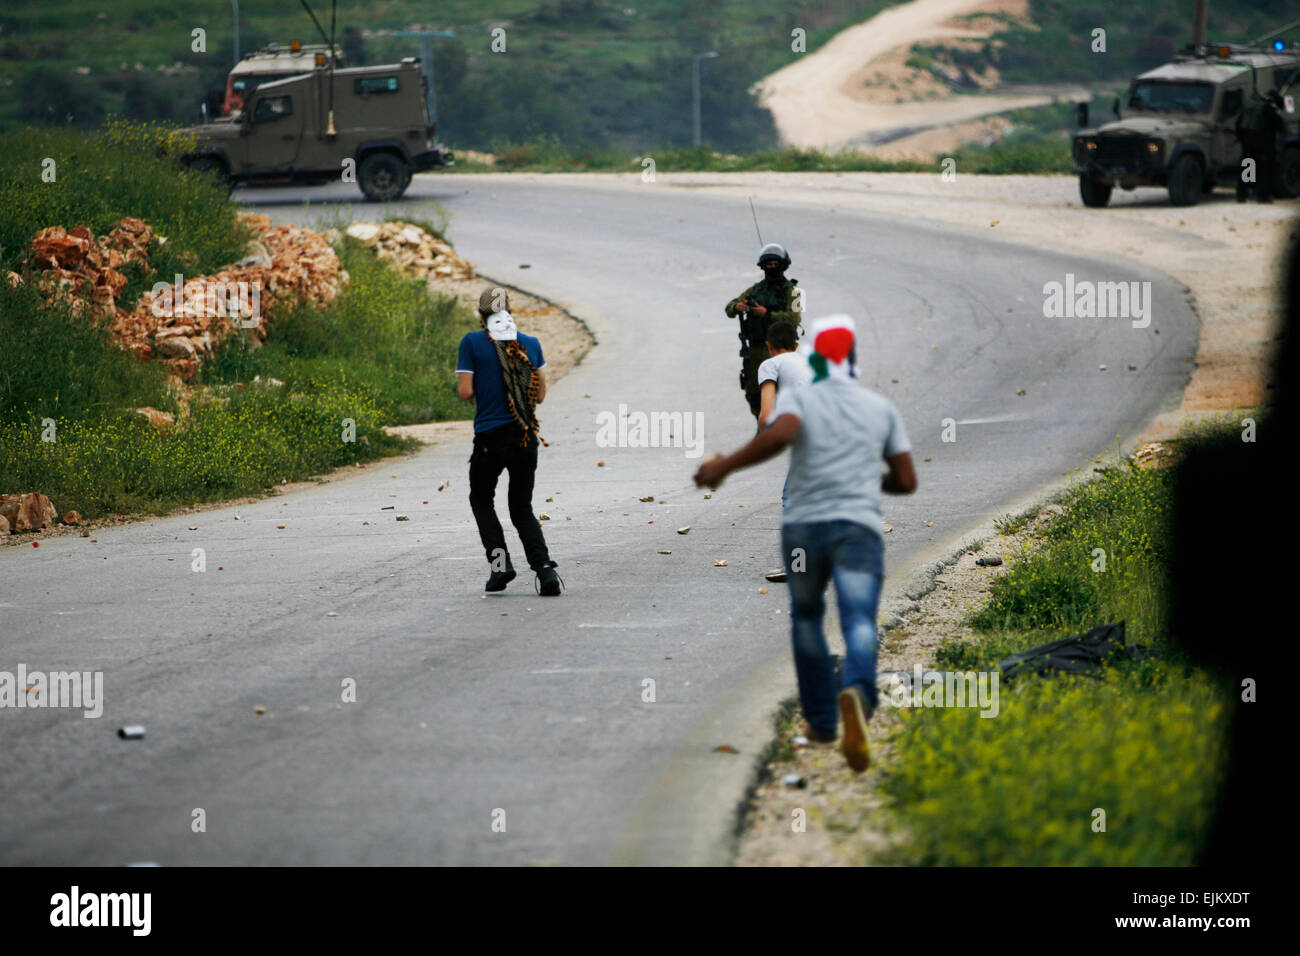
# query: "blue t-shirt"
x,y
478,354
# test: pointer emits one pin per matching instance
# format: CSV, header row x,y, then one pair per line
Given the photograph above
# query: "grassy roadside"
x,y
381,353
1144,743
1025,154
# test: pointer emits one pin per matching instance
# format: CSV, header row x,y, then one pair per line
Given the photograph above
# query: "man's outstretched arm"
x,y
768,443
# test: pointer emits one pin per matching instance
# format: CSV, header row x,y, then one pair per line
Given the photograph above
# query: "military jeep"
x,y
364,124
1176,127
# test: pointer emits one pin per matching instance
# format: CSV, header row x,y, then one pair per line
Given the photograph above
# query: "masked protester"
x,y
847,446
774,299
500,369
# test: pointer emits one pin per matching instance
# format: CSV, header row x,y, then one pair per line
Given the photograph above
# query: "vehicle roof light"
x,y
1279,45
1224,52
320,59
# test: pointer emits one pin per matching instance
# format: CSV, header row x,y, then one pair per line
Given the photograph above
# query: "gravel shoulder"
x,y
849,822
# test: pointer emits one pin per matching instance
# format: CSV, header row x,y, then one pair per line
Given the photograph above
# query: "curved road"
x,y
466,705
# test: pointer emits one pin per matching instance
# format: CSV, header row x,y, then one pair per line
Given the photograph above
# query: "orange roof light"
x,y
320,59
295,46
1224,52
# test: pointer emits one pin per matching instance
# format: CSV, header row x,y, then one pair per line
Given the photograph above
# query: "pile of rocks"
x,y
183,324
415,251
83,269
29,512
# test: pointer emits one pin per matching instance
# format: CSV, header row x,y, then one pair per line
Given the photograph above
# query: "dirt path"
x,y
856,90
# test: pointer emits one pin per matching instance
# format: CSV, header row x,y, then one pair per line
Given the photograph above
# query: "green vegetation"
x,y
1055,46
550,157
1144,743
383,352
592,72
385,337
98,180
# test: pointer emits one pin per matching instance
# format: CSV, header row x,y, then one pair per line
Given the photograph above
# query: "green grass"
x,y
243,444
1144,743
100,179
382,353
385,334
550,156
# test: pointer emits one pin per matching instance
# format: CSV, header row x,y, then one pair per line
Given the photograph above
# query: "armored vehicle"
x,y
368,125
271,64
1176,126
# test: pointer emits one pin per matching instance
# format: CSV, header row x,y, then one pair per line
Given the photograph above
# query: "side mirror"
x,y
1114,107
1081,115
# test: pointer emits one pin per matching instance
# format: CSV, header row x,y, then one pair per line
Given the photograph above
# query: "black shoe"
x,y
548,583
498,580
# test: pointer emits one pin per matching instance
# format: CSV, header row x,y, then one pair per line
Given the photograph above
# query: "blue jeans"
x,y
854,557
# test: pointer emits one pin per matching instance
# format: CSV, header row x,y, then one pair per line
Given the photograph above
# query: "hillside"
x,y
589,72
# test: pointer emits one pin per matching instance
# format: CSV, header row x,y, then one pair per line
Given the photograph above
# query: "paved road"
x,y
467,705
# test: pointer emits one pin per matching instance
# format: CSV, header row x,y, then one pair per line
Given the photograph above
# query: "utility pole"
x,y
695,88
235,5
426,60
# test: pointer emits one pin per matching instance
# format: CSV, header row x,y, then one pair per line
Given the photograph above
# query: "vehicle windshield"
x,y
1160,96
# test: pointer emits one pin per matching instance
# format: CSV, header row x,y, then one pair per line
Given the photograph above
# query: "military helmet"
x,y
774,250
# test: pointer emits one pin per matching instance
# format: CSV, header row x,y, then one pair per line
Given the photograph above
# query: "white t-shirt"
x,y
789,370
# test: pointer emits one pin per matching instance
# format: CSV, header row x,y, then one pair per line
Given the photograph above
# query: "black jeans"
x,y
496,451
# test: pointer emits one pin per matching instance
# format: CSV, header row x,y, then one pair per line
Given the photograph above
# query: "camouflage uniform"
x,y
781,302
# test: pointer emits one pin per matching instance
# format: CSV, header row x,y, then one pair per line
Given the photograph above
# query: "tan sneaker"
x,y
853,712
815,739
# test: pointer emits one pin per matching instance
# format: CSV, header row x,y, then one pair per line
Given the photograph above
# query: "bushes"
x,y
1021,788
1144,743
1127,515
1042,155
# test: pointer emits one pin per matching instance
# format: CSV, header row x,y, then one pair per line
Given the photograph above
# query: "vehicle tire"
x,y
1095,194
383,177
1185,180
212,166
1288,175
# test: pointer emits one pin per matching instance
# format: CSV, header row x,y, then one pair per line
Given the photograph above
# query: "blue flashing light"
x,y
1279,45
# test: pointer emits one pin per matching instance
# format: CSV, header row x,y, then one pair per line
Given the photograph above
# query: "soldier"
x,y
774,299
1258,127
